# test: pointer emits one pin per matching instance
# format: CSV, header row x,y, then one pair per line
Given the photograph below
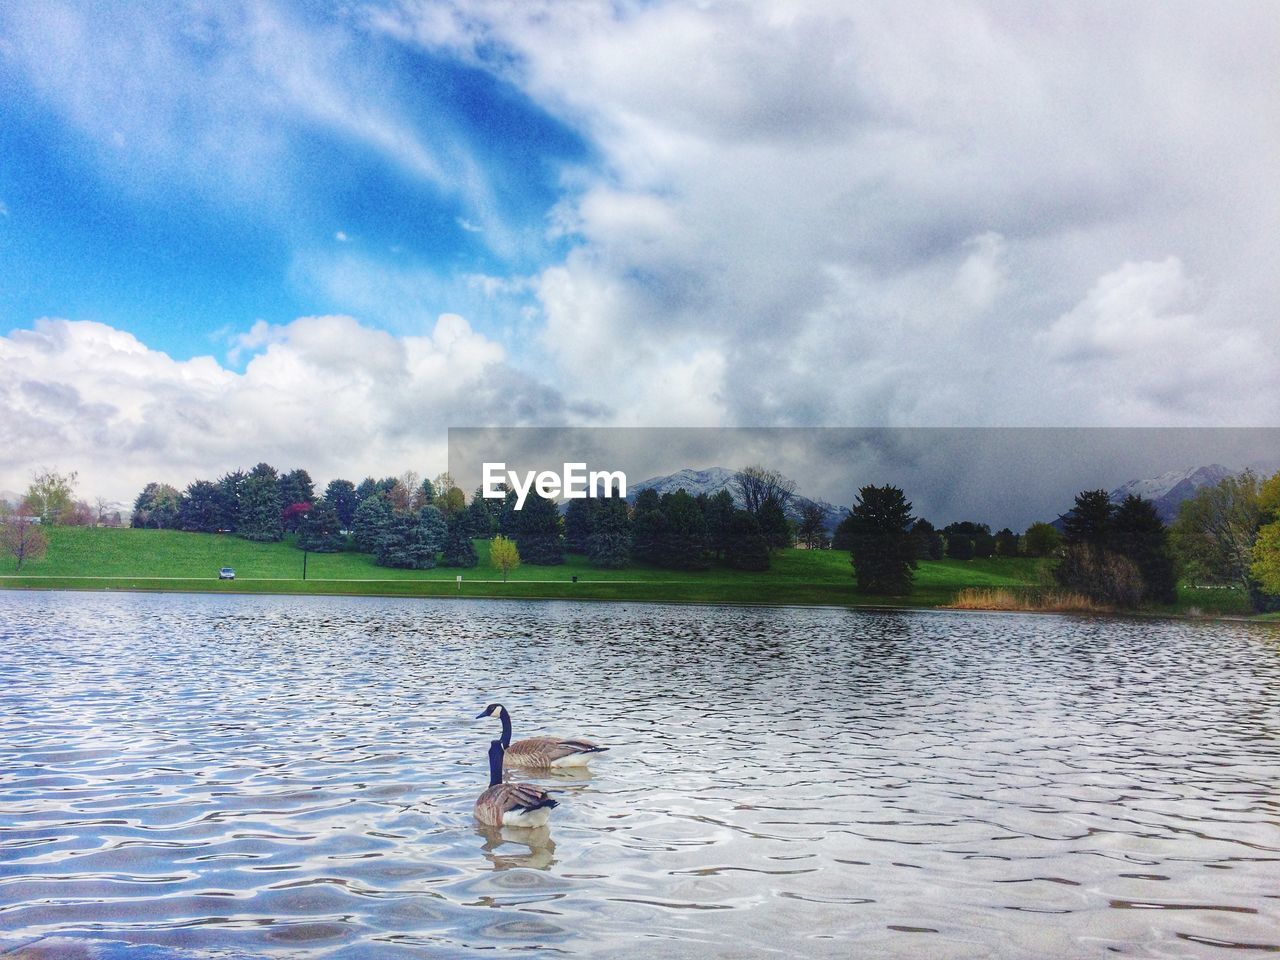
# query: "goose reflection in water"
x,y
530,847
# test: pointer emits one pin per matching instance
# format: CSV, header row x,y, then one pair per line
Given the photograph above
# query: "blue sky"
x,y
347,227
125,221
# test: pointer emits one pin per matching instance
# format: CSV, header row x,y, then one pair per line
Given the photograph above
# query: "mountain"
x,y
714,479
11,497
1169,490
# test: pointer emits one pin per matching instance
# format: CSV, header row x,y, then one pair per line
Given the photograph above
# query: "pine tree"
x,y
745,546
882,553
318,529
683,542
458,548
538,531
609,543
260,505
1138,533
372,518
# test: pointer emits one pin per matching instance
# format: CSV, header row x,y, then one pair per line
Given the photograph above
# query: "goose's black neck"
x,y
495,762
506,728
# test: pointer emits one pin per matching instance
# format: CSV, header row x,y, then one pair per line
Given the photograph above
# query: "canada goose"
x,y
511,804
541,751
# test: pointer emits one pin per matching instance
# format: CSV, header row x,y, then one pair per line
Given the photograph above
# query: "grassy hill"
x,y
92,558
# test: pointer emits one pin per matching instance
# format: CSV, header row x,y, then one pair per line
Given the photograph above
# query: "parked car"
x,y
227,573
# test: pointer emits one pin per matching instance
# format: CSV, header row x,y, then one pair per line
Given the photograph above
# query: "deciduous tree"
x,y
504,555
21,536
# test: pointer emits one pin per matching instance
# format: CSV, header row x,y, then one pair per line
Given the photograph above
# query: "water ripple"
x,y
276,777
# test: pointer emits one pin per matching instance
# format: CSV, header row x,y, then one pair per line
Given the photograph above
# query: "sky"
x,y
321,234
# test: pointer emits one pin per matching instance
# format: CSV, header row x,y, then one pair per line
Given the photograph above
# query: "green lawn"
x,y
91,558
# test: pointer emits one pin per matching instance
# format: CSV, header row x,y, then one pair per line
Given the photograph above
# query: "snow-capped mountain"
x,y
1169,490
714,479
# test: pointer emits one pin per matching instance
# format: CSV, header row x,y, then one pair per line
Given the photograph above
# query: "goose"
x,y
511,804
541,751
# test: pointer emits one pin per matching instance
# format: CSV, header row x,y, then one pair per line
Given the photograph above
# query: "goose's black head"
x,y
492,710
499,711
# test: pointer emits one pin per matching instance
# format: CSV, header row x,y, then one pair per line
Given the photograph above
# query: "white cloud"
x,y
887,213
341,237
324,393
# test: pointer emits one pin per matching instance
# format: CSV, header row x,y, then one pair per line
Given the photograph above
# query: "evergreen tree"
x,y
745,546
577,524
509,516
157,507
538,532
412,541
718,511
959,546
260,505
842,539
458,548
609,543
648,527
483,514
927,541
368,487
341,495
774,525
230,493
683,543
202,507
318,529
1089,521
373,518
1138,534
984,545
883,554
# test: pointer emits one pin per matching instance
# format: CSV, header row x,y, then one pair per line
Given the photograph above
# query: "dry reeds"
x,y
1037,599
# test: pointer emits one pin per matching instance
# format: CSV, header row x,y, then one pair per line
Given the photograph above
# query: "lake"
x,y
270,776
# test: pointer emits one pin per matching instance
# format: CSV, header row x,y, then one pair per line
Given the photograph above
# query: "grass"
x,y
101,558
1040,600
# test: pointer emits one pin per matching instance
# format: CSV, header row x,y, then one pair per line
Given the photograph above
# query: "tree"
x,y
295,488
51,495
648,527
1265,556
1215,530
842,539
1138,533
577,524
201,510
984,545
718,511
448,495
504,555
813,527
458,548
21,536
1041,540
1089,521
757,486
371,521
367,488
609,542
1006,543
928,542
882,552
1101,575
959,544
538,532
775,526
412,541
341,495
684,539
157,507
745,546
260,506
483,514
230,493
318,530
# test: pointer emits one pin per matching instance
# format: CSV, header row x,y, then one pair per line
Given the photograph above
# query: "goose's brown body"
x,y
511,804
514,805
541,751
550,752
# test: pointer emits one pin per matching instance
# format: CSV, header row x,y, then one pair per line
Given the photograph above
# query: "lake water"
x,y
271,777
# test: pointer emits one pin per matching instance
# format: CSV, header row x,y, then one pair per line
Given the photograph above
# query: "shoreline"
x,y
143,585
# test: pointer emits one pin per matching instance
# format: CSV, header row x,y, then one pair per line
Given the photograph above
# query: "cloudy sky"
x,y
236,231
